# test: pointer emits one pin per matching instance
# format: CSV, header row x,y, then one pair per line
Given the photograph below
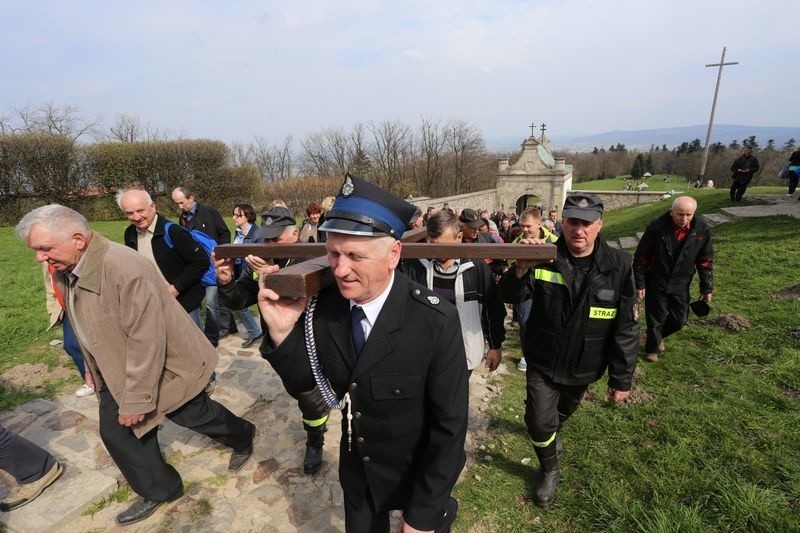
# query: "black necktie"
x,y
356,316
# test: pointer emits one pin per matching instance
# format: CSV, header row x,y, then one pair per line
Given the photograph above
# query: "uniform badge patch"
x,y
434,300
348,187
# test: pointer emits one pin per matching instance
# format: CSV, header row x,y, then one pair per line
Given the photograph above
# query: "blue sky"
x,y
234,70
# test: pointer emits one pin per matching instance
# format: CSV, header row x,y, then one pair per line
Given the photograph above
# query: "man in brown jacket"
x,y
148,359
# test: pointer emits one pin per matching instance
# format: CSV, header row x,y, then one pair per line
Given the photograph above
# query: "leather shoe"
x,y
651,358
141,509
249,341
223,333
238,459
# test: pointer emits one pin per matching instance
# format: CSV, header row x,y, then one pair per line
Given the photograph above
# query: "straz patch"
x,y
603,313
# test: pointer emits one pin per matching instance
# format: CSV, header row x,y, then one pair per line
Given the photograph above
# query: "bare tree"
x,y
392,153
465,147
315,161
126,128
360,164
274,162
430,148
52,119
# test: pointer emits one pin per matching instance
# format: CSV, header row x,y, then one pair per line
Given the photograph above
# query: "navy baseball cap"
x,y
363,208
274,222
586,207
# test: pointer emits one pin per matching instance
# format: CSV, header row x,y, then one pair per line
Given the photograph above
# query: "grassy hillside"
x,y
710,443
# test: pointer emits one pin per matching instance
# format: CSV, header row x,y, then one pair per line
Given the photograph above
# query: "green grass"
x,y
712,448
654,183
23,319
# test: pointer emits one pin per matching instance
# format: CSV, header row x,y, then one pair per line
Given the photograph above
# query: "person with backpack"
x,y
182,263
207,219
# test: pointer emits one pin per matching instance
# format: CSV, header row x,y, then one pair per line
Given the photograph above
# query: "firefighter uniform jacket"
x,y
408,392
572,338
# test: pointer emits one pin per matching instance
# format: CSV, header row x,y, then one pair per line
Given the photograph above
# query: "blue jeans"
x,y
217,316
250,323
72,347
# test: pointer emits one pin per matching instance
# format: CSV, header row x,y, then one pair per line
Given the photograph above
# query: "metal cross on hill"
x,y
544,127
721,64
532,127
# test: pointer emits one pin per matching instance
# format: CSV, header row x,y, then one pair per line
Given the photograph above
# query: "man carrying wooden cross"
x,y
581,323
391,353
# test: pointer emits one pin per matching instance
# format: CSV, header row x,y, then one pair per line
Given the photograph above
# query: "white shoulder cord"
x,y
323,384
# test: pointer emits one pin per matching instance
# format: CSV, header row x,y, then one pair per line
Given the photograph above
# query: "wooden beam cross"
x,y
308,277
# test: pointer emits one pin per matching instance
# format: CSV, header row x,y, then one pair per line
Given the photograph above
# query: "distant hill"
x,y
672,137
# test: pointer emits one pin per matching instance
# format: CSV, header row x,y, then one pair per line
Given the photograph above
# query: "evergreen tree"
x,y
638,168
664,148
770,145
595,151
734,145
790,144
648,165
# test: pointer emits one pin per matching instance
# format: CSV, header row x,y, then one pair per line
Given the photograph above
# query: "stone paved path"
x,y
269,494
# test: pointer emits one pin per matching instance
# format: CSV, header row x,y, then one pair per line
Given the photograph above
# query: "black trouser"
x,y
547,406
793,180
140,460
364,519
313,408
665,315
23,459
737,189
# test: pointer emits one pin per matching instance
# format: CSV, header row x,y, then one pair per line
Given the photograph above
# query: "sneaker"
x,y
85,390
651,358
522,366
25,494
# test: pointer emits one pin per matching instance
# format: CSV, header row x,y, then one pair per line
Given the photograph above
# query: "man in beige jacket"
x,y
148,359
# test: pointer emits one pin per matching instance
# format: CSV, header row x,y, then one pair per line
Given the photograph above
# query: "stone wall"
x,y
475,200
617,199
488,199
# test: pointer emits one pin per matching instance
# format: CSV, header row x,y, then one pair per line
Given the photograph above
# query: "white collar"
x,y
373,308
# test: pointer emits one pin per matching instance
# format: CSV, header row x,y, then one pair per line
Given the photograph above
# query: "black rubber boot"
x,y
315,439
544,493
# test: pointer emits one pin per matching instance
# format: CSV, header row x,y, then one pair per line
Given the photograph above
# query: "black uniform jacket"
x,y
572,338
409,397
661,265
208,220
182,266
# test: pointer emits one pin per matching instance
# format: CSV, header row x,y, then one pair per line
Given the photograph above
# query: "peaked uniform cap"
x,y
363,208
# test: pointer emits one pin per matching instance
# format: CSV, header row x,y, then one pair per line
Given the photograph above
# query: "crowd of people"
x,y
392,343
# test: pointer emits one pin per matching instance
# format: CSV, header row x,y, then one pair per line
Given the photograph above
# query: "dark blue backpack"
x,y
207,243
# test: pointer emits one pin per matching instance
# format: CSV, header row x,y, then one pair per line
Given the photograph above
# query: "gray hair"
x,y
55,218
122,193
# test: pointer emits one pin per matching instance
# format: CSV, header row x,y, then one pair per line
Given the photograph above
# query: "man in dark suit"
x,y
240,291
206,218
182,265
391,353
